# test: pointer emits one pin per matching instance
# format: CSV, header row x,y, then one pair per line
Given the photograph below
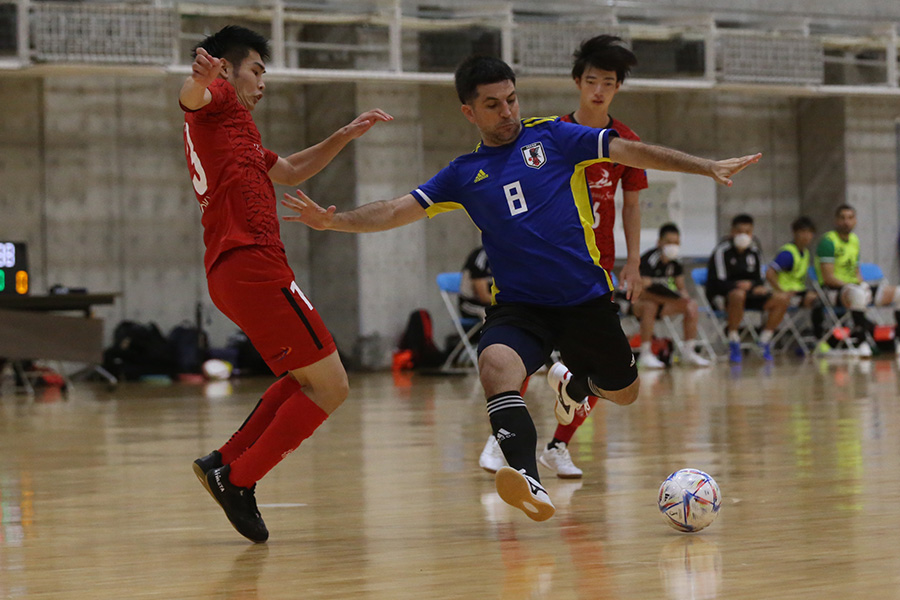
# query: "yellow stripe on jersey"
x,y
436,209
532,121
582,195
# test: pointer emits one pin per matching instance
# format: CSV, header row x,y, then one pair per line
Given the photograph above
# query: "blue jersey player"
x,y
524,187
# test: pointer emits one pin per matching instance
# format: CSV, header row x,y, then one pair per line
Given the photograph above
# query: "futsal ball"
x,y
217,369
689,500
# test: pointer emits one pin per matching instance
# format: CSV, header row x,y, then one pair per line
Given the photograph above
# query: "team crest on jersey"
x,y
534,155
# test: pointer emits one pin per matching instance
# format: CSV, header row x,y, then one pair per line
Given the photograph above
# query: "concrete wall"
x,y
94,180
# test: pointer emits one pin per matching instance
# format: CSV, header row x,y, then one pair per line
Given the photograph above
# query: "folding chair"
x,y
671,325
790,325
719,318
838,316
466,328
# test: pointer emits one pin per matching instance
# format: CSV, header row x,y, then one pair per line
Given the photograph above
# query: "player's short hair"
x,y
480,70
606,52
234,43
668,228
843,207
741,219
803,224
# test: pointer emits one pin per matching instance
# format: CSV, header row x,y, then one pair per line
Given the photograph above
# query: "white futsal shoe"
x,y
523,492
695,360
648,360
492,459
558,377
558,460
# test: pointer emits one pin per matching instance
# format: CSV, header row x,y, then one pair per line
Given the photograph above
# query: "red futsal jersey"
x,y
603,177
230,171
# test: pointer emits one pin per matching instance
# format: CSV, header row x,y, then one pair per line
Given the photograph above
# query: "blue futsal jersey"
x,y
531,201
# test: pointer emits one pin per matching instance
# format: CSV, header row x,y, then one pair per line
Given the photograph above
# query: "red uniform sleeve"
x,y
634,180
219,98
271,158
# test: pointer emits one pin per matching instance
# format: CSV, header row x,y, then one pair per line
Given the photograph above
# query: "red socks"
x,y
259,419
295,420
564,433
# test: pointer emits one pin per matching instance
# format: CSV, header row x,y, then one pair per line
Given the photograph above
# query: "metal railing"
x,y
679,44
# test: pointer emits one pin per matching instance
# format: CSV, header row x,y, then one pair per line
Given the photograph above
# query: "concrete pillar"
x,y
392,274
822,152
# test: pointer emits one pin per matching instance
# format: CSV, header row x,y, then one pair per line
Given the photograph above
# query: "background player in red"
x,y
247,271
601,65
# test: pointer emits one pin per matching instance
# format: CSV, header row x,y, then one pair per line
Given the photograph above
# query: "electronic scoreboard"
x,y
13,268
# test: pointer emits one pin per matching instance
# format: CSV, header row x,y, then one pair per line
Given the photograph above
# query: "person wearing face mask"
x,y
665,295
734,284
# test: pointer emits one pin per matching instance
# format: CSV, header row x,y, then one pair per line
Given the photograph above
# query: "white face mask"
x,y
742,241
671,251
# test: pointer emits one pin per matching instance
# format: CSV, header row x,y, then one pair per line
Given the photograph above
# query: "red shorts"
x,y
255,288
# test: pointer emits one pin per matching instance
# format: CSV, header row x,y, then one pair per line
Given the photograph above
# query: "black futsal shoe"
x,y
239,504
204,465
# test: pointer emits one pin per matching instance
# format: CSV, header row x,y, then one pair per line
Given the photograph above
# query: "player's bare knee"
x,y
626,396
692,310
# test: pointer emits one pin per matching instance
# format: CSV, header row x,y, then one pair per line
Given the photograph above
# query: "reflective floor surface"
x,y
387,501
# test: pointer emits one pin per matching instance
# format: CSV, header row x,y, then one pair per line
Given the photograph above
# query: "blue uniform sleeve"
x,y
784,261
579,143
441,193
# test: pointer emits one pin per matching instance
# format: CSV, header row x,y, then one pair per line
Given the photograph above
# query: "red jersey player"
x,y
601,65
247,272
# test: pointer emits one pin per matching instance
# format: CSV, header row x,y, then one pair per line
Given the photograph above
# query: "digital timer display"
x,y
13,268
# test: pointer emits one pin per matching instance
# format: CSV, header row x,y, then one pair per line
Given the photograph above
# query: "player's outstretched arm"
x,y
374,216
204,70
300,166
647,156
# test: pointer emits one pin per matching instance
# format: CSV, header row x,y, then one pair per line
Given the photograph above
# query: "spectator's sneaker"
x,y
648,360
523,492
492,459
766,350
204,465
695,360
734,352
864,350
239,504
558,377
557,459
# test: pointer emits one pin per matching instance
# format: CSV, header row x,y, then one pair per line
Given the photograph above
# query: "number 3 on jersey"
x,y
515,198
199,178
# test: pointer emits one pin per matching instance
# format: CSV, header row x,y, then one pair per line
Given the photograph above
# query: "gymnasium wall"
x,y
94,180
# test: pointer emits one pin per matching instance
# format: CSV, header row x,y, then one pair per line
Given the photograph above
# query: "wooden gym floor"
x,y
387,501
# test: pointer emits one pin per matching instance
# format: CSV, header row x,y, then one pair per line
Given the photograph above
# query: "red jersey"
x,y
603,177
230,171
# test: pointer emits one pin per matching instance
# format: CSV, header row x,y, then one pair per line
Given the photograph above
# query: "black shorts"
x,y
589,338
751,301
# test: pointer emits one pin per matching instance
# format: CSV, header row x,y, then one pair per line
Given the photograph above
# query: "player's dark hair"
x,y
668,228
480,70
606,52
741,219
803,224
234,43
842,207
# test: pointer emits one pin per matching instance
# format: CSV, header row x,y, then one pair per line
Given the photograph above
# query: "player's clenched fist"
x,y
205,68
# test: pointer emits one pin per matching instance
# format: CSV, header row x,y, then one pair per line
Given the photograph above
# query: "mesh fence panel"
x,y
133,34
546,48
771,59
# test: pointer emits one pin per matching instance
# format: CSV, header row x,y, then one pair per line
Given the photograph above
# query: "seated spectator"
x,y
789,269
475,287
837,268
665,295
734,283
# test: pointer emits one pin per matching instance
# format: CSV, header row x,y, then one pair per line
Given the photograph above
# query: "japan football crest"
x,y
534,155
